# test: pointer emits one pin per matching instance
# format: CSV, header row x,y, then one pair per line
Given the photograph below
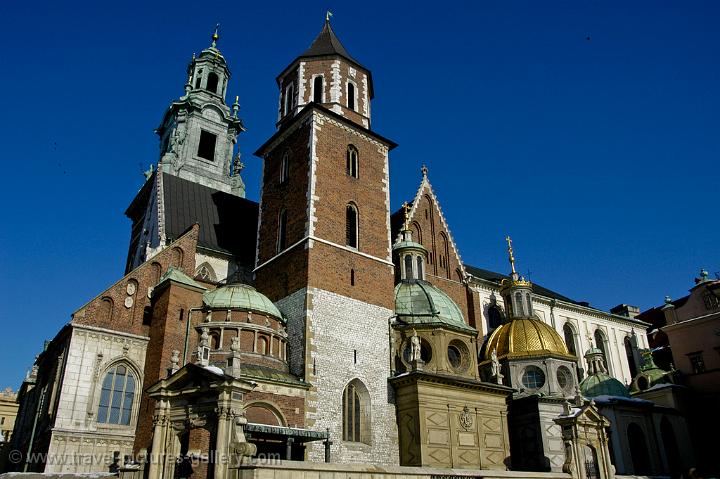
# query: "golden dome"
x,y
526,337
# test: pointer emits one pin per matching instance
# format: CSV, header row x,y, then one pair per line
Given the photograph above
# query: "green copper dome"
x,y
600,384
240,296
420,303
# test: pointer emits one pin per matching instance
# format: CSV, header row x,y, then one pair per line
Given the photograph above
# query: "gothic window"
x,y
176,258
351,96
116,396
418,232
212,82
352,161
356,413
533,378
444,254
408,267
282,231
351,226
630,357
285,167
206,273
156,272
206,145
289,94
318,89
494,317
569,335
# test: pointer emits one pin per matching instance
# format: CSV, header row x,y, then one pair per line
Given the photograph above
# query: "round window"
x,y
454,356
533,378
564,378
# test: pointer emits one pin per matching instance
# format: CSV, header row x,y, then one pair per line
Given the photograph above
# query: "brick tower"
x,y
323,251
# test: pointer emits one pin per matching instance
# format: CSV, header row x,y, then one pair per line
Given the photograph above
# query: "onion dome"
x,y
419,303
242,297
526,337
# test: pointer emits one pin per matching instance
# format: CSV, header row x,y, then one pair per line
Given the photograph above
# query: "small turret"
x,y
516,291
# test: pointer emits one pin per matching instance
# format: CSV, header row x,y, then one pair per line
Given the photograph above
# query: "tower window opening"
x,y
351,226
198,78
212,82
289,94
352,161
351,96
318,84
285,168
408,267
419,267
206,146
282,231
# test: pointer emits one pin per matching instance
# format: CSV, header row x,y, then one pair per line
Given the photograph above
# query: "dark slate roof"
x,y
227,222
326,43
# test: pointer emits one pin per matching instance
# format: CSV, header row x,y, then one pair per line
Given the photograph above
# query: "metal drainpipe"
x,y
187,334
32,433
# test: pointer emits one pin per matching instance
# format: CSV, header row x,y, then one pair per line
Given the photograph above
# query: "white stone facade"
x,y
342,339
583,320
79,443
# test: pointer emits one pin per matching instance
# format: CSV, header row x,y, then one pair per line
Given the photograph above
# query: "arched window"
x,y
418,231
420,267
638,450
592,470
408,267
117,396
352,161
356,412
630,357
519,306
206,273
156,272
215,340
262,345
351,96
176,259
198,78
444,252
285,167
106,309
318,84
282,230
600,344
670,445
494,316
351,226
212,82
569,335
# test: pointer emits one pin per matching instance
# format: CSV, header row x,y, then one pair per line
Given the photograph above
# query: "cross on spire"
x,y
511,257
406,211
216,34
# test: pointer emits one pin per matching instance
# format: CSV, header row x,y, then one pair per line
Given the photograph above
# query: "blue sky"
x,y
587,130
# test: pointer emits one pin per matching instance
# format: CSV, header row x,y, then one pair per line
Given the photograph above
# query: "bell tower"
x,y
199,131
323,251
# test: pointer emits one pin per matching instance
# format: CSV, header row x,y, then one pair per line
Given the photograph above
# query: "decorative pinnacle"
x,y
511,257
216,34
406,210
424,171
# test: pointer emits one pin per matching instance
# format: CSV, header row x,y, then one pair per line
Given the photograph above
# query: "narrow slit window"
x,y
289,94
352,161
285,168
282,231
351,226
351,96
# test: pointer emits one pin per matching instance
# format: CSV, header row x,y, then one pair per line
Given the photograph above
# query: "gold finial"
x,y
510,253
328,14
216,34
406,210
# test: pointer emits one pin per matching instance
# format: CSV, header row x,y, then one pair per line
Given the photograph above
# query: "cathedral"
x,y
320,324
